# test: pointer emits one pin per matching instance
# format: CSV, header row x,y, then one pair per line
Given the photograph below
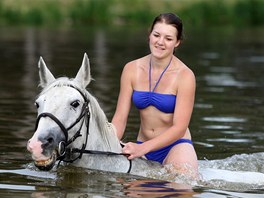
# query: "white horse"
x,y
71,127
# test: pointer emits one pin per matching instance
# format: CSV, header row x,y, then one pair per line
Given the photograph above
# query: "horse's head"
x,y
62,113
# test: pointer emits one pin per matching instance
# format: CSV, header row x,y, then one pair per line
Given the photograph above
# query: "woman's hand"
x,y
134,150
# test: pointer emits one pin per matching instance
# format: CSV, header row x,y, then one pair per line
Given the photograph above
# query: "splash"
x,y
243,162
239,172
184,174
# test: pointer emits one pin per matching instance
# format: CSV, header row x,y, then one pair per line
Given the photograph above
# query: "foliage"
x,y
249,12
127,12
90,12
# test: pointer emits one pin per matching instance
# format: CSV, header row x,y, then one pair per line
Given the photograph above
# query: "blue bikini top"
x,y
163,102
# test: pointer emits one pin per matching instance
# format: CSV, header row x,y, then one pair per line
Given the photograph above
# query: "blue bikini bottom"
x,y
160,154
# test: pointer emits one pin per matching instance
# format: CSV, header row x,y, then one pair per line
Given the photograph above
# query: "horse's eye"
x,y
75,104
37,105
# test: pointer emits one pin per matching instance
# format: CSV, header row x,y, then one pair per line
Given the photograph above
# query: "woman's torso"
x,y
156,116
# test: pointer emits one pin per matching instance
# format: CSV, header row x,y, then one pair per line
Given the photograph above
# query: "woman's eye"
x,y
37,105
75,104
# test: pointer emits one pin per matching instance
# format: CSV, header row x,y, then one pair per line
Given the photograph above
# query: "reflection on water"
x,y
227,123
155,188
77,182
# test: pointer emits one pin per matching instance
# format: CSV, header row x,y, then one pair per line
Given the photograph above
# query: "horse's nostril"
x,y
50,140
47,141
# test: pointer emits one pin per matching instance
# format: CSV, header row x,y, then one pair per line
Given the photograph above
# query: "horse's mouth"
x,y
48,164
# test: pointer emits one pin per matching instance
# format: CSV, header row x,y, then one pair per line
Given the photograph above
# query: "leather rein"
x,y
84,117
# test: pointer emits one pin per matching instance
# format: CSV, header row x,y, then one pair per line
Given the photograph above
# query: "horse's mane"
x,y
106,129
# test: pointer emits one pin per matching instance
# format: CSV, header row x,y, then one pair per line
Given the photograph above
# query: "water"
x,y
227,122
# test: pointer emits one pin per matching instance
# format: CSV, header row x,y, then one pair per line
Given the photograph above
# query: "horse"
x,y
71,127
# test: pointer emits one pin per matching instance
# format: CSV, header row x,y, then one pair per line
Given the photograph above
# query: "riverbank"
x,y
196,13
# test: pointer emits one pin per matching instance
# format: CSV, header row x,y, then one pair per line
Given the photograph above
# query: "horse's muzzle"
x,y
48,164
43,159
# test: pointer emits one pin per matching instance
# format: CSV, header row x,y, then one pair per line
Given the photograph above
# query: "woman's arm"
x,y
124,100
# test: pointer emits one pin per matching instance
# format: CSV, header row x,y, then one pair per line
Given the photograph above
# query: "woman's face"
x,y
163,40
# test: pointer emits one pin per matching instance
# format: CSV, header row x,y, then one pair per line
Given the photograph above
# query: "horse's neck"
x,y
102,135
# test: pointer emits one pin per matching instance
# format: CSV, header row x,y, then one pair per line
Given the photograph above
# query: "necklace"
x,y
156,81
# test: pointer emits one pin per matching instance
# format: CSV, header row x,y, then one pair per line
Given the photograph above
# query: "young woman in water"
x,y
162,88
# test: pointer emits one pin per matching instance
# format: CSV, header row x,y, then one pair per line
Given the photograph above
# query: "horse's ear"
x,y
45,75
83,76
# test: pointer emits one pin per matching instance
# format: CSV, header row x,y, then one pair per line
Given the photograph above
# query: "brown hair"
x,y
170,19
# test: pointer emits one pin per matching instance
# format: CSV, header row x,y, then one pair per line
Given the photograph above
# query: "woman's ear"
x,y
177,43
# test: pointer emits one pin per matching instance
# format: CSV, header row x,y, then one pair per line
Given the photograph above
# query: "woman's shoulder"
x,y
184,70
136,64
185,75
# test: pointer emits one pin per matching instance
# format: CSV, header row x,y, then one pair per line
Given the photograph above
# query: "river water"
x,y
227,122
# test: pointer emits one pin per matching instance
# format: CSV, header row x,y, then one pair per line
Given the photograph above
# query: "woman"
x,y
162,87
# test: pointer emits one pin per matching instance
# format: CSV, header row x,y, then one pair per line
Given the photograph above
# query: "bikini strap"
x,y
150,66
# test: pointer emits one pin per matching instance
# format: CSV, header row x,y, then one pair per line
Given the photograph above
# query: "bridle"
x,y
84,117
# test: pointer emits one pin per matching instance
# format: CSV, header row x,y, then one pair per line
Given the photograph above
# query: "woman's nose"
x,y
160,41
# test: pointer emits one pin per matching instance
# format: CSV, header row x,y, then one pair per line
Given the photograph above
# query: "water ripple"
x,y
230,140
17,187
224,119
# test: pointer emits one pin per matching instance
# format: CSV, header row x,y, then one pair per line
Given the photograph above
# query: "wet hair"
x,y
170,19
